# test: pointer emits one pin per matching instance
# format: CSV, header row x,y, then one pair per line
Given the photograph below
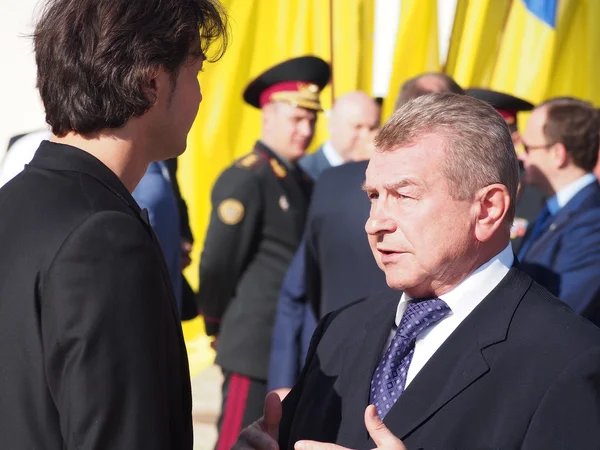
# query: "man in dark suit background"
x,y
338,261
474,354
91,346
531,198
561,250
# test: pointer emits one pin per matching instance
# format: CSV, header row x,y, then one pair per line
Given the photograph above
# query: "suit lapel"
x,y
439,381
361,356
460,361
575,206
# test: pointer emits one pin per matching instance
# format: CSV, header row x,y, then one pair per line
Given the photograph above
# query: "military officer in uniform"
x,y
259,210
531,199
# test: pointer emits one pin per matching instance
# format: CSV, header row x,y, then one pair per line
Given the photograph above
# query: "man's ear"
x,y
492,206
152,85
560,155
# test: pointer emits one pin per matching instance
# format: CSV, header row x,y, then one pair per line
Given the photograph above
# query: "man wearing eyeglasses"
x,y
530,199
561,249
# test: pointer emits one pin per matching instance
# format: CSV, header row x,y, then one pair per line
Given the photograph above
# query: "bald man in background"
x,y
354,115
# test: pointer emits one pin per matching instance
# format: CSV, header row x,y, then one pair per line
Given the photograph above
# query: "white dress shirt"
x,y
562,197
332,156
462,300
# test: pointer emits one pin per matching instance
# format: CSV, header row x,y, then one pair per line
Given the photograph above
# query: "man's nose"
x,y
379,222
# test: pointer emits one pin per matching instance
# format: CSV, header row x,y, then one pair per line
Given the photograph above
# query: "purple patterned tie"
x,y
389,377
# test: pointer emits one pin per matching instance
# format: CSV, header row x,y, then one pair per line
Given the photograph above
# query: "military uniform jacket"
x,y
91,349
257,221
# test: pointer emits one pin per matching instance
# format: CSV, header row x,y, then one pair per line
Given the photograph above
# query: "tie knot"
x,y
421,314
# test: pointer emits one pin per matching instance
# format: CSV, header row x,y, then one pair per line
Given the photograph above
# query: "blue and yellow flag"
x,y
527,53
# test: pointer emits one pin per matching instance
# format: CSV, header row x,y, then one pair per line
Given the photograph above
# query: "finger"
x,y
380,434
272,415
314,445
255,438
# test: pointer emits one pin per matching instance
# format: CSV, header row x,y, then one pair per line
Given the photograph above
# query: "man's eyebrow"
x,y
392,187
400,184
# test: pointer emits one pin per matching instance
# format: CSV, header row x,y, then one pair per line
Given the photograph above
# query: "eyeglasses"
x,y
528,148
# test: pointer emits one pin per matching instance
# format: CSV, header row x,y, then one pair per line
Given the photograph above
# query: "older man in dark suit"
x,y
474,354
336,266
90,341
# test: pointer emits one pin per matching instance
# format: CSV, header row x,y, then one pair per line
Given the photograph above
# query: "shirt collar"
x,y
562,197
472,290
333,157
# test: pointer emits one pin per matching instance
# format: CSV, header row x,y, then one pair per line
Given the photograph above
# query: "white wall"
x,y
20,107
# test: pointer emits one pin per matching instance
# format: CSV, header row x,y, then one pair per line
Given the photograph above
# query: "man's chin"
x,y
398,284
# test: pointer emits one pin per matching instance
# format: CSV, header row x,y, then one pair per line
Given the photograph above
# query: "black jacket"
x,y
90,342
522,371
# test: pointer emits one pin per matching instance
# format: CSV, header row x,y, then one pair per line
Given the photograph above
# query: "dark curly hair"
x,y
95,58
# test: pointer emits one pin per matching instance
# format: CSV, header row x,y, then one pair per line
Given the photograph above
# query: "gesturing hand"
x,y
380,434
264,433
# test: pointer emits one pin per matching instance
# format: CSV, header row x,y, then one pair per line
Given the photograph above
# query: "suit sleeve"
x,y
291,401
312,267
232,231
569,414
578,265
105,320
285,347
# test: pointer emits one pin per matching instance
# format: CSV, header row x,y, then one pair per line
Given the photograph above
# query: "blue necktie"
x,y
540,225
389,378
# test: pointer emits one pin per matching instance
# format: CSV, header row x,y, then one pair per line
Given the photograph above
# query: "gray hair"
x,y
477,142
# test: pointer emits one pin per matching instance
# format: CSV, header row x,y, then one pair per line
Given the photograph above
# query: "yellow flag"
x,y
352,35
577,63
526,58
476,33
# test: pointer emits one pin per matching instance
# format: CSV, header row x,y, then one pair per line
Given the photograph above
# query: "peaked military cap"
x,y
297,81
507,105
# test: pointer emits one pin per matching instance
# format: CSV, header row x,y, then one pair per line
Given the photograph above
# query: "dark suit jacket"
x,y
295,323
245,257
314,163
521,371
90,342
340,267
189,307
565,259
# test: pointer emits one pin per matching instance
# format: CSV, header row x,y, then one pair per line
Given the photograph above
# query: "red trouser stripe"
x,y
235,407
